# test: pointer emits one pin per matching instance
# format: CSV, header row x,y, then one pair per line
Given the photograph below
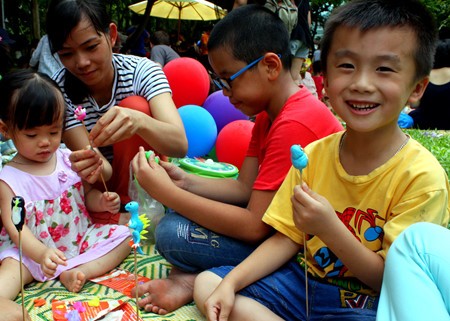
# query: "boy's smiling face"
x,y
370,75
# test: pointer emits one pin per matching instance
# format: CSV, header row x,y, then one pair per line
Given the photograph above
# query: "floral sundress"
x,y
57,216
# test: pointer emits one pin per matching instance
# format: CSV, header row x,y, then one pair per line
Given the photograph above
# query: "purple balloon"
x,y
222,110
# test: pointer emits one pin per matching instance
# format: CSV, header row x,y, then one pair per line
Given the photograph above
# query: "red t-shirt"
x,y
302,120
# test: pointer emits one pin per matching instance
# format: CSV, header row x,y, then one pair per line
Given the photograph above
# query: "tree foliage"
x,y
18,17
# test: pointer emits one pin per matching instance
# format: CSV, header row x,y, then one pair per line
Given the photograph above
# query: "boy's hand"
x,y
152,177
110,201
50,261
313,214
220,303
176,174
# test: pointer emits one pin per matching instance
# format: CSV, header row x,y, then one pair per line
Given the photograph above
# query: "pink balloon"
x,y
188,80
232,142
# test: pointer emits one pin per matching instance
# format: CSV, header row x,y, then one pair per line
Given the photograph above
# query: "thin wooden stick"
x,y
92,148
21,276
136,283
305,248
18,219
80,114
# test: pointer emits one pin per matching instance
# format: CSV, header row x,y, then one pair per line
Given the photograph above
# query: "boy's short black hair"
x,y
249,32
372,14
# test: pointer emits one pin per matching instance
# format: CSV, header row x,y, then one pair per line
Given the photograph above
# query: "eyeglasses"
x,y
222,83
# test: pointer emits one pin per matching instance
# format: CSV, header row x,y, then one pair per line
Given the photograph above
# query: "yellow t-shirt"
x,y
411,187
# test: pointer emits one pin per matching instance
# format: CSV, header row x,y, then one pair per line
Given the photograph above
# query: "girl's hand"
x,y
87,164
110,201
220,303
313,214
50,261
115,125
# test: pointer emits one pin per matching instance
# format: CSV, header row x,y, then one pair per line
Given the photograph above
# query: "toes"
x,y
149,307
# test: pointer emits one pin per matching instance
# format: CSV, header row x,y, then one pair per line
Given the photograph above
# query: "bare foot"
x,y
73,280
166,295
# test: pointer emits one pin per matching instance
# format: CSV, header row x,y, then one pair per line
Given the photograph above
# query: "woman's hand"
x,y
87,164
115,125
50,260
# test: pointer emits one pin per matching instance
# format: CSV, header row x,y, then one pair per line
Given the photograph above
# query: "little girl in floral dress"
x,y
58,238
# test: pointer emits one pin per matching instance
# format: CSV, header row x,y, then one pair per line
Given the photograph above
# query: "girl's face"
x,y
38,144
87,54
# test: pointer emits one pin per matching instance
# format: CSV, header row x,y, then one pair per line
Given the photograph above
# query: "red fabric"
x,y
318,80
302,120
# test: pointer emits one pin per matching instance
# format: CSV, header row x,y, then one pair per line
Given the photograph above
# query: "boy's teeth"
x,y
363,106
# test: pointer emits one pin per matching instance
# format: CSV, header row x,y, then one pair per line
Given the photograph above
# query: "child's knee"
x,y
205,283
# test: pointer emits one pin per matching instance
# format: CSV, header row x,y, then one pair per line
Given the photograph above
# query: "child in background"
x,y
361,188
58,238
216,222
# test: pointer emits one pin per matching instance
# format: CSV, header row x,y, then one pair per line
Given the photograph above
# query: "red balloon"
x,y
232,142
188,80
137,103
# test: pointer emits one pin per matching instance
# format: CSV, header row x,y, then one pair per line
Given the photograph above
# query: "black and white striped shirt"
x,y
133,76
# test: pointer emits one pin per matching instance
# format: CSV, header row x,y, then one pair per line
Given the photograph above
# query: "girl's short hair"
x,y
30,99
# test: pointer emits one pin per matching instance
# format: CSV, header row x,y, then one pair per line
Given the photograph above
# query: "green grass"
x,y
437,142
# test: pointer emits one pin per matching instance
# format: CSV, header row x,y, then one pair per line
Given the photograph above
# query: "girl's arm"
x,y
267,258
313,214
31,246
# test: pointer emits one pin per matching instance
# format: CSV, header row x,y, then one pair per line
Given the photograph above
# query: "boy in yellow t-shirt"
x,y
361,189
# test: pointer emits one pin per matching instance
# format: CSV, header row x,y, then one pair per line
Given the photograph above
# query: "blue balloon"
x,y
201,130
222,110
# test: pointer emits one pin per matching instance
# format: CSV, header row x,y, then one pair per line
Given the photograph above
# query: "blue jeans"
x,y
283,292
193,248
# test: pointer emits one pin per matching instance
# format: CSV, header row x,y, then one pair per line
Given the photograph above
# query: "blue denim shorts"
x,y
283,292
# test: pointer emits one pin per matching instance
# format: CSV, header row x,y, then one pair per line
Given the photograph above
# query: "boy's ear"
x,y
419,90
273,65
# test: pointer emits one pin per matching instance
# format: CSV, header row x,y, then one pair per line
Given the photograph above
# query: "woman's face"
x,y
87,54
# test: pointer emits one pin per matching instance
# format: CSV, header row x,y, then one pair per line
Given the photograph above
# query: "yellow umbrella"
x,y
181,10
